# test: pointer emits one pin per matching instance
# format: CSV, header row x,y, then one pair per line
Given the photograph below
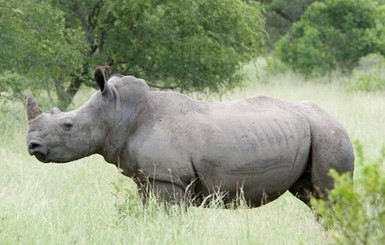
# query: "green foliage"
x,y
369,75
333,35
189,45
355,214
280,16
36,46
126,200
366,82
12,85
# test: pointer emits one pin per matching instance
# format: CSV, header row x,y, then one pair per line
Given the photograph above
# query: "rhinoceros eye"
x,y
67,125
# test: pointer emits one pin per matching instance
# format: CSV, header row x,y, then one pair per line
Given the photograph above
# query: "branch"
x,y
94,14
88,18
73,6
284,15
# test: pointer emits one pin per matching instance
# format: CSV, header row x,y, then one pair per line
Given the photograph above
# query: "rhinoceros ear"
x,y
32,109
101,78
55,110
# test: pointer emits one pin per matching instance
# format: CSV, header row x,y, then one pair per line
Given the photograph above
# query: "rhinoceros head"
x,y
95,127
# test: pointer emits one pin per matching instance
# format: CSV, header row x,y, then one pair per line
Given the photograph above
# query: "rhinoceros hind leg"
x,y
316,181
303,188
330,149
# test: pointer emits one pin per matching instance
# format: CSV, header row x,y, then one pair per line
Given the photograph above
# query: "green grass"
x,y
76,203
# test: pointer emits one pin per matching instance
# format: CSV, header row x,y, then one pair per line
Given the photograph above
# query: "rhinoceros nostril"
x,y
34,147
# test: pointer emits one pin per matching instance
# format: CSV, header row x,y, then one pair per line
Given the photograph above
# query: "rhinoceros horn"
x,y
32,109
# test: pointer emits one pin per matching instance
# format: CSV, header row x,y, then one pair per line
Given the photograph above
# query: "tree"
x,y
281,15
189,45
36,47
332,35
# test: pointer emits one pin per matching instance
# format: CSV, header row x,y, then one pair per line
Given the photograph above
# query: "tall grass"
x,y
84,202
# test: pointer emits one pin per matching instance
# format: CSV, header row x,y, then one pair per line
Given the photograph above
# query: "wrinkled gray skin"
x,y
178,147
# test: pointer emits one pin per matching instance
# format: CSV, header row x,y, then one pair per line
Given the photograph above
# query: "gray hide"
x,y
256,148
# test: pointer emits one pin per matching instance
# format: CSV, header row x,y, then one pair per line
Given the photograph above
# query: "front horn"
x,y
32,109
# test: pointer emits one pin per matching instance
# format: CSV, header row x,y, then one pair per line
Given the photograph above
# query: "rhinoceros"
x,y
175,146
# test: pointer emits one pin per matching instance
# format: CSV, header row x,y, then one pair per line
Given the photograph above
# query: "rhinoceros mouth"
x,y
41,157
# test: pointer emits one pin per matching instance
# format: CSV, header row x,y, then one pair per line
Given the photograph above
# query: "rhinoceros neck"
x,y
129,110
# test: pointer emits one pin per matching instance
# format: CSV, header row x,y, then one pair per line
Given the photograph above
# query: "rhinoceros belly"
x,y
260,154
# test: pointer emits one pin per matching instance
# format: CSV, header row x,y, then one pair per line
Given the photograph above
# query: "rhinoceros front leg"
x,y
169,193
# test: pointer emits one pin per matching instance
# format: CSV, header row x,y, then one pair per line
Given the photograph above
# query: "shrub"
x,y
366,82
355,214
332,35
369,75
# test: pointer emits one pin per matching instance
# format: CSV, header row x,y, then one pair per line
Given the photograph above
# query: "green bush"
x,y
366,82
369,75
333,35
276,66
355,214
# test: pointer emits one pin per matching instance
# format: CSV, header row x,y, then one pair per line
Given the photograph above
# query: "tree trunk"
x,y
65,97
89,21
